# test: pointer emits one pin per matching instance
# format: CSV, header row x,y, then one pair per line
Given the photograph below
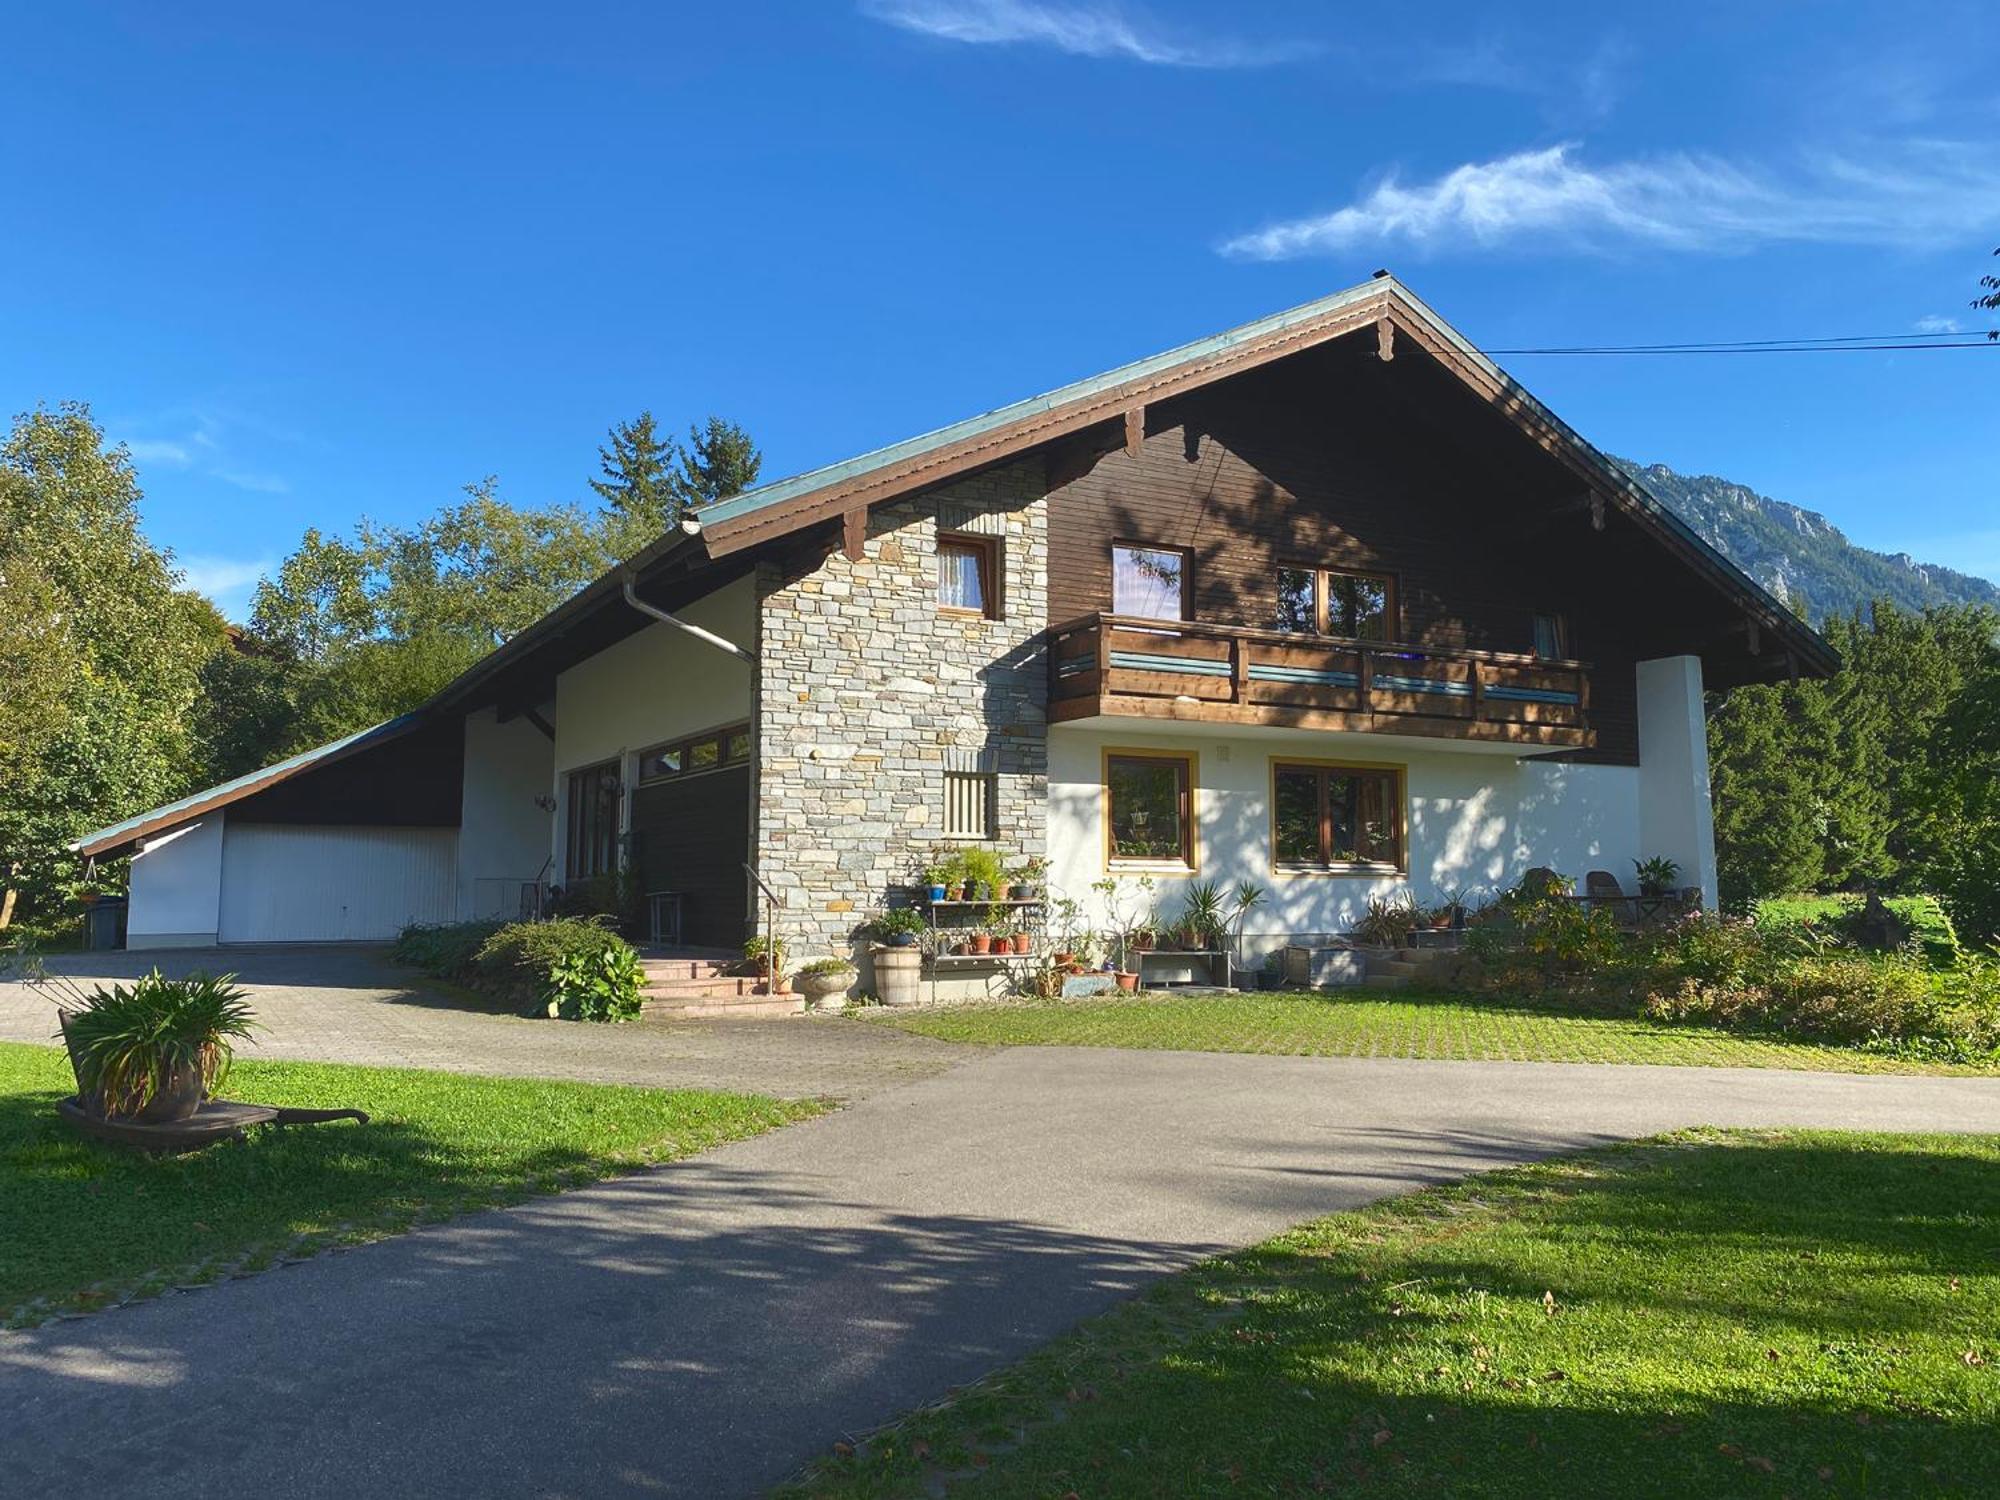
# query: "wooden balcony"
x,y
1224,674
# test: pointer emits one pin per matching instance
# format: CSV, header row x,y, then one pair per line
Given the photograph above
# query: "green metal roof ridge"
x,y
225,792
1001,416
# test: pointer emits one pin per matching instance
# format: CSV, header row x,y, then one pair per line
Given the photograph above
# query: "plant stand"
x,y
949,920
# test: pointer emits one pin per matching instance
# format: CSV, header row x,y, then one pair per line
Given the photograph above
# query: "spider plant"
x,y
156,1037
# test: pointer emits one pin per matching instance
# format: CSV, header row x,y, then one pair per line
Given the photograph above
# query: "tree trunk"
x,y
7,898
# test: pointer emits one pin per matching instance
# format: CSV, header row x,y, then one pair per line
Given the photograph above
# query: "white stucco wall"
x,y
176,893
1676,817
654,686
1476,818
503,840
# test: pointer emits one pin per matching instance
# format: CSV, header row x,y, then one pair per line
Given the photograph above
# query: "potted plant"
x,y
899,927
1247,897
984,873
1454,903
1387,923
1202,916
936,877
1027,878
154,1050
1657,876
979,941
770,966
1067,920
1128,979
1021,940
825,982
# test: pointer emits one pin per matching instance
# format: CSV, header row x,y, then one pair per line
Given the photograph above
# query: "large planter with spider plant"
x,y
152,1051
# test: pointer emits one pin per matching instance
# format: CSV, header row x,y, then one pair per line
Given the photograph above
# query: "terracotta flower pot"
x,y
1021,942
963,949
1127,980
982,942
1063,960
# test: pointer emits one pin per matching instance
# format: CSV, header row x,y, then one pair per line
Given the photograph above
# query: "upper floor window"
x,y
1149,809
1149,583
1551,638
1335,601
967,575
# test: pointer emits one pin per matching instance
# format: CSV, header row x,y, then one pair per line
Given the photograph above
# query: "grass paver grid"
x,y
1438,1027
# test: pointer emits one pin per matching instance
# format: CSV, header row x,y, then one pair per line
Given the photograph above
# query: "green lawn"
x,y
1406,1024
83,1224
1713,1314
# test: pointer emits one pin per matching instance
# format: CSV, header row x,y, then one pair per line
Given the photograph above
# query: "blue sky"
x,y
316,262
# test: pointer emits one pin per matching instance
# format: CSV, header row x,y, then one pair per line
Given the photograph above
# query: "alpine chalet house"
x,y
1327,601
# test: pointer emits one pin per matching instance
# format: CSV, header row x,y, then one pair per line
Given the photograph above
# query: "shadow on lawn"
x,y
1328,1382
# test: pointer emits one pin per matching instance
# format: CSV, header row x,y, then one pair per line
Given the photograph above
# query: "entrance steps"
x,y
1398,968
688,984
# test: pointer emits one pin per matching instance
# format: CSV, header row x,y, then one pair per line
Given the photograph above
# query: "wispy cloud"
x,y
227,581
1574,93
1937,324
257,484
208,442
165,451
1090,29
1915,194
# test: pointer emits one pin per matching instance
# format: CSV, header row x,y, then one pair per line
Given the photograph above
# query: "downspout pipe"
x,y
632,598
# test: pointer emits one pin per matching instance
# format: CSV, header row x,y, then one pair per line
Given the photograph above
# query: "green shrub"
x,y
594,985
618,895
1930,926
1791,977
445,949
518,962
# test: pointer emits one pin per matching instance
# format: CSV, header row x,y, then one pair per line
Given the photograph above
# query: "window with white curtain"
x,y
965,581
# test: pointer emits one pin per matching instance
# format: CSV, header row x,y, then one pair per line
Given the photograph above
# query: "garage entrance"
x,y
692,835
284,883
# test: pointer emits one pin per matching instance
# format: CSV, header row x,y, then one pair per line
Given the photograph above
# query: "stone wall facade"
x,y
867,693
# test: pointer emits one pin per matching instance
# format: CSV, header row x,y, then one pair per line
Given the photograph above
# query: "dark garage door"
x,y
693,836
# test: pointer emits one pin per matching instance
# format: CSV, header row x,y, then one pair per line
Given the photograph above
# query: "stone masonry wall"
x,y
867,692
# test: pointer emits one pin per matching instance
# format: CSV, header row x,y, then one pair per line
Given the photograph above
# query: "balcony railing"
x,y
1108,664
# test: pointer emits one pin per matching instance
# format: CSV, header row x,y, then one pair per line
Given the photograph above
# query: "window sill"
x,y
959,612
1363,872
1150,867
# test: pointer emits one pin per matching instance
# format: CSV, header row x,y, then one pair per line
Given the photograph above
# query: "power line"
x,y
1842,344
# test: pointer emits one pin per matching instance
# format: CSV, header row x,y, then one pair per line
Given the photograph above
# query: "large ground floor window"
x,y
1149,809
591,843
1333,818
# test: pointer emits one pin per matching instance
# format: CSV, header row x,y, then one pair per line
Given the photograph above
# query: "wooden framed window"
x,y
1551,637
970,801
1334,819
591,824
710,750
1298,599
1149,809
968,575
1336,601
1149,583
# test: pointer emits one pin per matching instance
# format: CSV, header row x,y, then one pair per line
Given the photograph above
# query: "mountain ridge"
x,y
1798,554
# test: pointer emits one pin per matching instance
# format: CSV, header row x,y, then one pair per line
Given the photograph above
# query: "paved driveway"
x,y
350,1004
702,1329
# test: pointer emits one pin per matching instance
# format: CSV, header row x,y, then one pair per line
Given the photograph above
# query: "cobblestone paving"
x,y
345,1004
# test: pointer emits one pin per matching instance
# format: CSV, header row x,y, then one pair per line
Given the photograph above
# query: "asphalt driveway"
x,y
702,1329
346,1003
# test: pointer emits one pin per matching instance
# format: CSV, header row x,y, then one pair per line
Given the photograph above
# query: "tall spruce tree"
x,y
638,488
718,461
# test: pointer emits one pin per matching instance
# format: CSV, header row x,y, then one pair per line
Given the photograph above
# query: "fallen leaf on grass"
x,y
1549,1303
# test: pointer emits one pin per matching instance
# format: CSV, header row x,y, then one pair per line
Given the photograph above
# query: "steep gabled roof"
x,y
819,495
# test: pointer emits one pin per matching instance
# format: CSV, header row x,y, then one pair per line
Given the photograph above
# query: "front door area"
x,y
691,835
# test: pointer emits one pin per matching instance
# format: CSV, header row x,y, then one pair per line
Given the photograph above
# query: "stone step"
x,y
1394,968
713,984
663,970
696,1008
1386,982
